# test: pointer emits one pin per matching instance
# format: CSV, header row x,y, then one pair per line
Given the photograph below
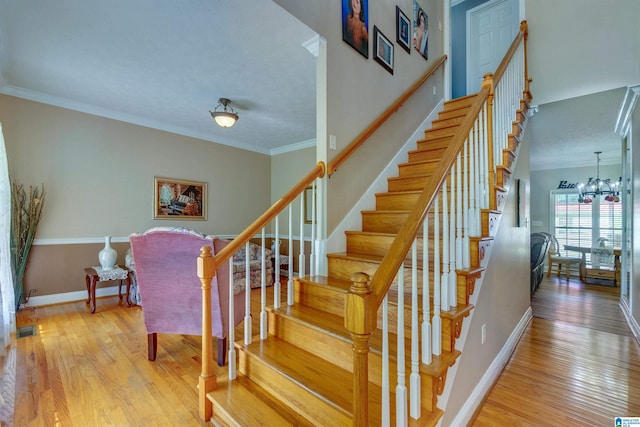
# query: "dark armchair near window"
x,y
539,249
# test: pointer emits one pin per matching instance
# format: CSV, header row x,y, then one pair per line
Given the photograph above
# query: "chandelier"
x,y
599,187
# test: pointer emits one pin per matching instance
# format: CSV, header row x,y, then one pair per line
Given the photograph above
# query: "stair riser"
x,y
422,155
457,103
442,132
299,398
407,183
343,269
413,169
320,298
330,347
446,122
453,112
433,143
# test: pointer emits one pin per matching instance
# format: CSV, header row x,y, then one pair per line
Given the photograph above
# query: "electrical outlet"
x,y
332,142
434,89
484,332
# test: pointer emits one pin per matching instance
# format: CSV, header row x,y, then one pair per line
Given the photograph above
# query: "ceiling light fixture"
x,y
225,118
599,187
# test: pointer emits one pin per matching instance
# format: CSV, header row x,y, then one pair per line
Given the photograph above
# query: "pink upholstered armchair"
x,y
170,290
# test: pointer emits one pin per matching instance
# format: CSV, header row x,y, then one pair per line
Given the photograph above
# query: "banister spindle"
x,y
414,379
426,299
263,289
401,388
247,295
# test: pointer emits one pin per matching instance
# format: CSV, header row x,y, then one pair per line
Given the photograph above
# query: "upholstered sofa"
x,y
255,267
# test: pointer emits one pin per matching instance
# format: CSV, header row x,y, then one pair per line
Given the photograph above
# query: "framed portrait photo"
x,y
420,30
403,30
178,199
355,25
383,50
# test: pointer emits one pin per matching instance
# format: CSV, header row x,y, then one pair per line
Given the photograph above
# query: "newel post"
x,y
207,380
360,320
488,82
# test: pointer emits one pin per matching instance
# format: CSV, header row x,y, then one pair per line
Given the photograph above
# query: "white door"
x,y
491,27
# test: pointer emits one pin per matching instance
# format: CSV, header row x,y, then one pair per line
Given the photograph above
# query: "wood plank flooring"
x,y
577,364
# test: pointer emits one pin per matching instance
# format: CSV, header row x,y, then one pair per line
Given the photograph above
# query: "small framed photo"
x,y
383,49
178,199
403,30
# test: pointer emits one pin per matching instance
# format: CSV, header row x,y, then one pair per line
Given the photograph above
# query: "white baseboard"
x,y
633,324
37,301
489,378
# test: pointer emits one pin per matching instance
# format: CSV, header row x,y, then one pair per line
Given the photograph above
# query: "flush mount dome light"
x,y
227,117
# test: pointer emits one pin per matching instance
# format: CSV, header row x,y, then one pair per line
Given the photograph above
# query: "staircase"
x,y
302,373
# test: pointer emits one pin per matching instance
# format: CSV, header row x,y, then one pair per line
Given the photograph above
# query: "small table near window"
x,y
598,273
97,274
284,265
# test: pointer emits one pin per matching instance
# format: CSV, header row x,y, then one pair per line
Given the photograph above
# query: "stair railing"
x,y
208,263
451,203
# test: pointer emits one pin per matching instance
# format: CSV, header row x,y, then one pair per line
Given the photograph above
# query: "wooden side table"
x,y
92,277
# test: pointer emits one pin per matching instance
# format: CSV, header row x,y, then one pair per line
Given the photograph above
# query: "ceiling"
x,y
165,64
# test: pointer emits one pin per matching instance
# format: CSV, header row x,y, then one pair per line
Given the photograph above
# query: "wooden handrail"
x,y
391,262
335,163
386,272
507,56
317,172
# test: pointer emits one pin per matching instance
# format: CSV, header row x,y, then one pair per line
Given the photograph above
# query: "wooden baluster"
x,y
401,388
276,267
451,285
426,301
312,254
247,295
436,322
414,379
231,356
360,320
302,261
207,381
444,281
488,81
386,395
290,258
264,329
466,195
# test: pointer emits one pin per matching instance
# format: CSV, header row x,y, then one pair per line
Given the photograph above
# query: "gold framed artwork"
x,y
179,199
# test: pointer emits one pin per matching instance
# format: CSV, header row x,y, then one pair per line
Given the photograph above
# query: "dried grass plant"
x,y
25,216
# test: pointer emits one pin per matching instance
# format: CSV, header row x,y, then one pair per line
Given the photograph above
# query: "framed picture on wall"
x,y
420,30
403,30
355,25
179,199
383,49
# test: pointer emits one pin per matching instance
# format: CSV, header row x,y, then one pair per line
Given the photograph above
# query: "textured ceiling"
x,y
164,64
567,133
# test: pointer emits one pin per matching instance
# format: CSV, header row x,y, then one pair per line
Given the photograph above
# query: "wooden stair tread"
x,y
325,380
440,364
244,403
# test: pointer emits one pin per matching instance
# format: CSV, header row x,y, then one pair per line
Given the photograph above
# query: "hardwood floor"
x,y
577,364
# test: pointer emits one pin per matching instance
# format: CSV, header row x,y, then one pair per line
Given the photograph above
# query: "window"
x,y
581,224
